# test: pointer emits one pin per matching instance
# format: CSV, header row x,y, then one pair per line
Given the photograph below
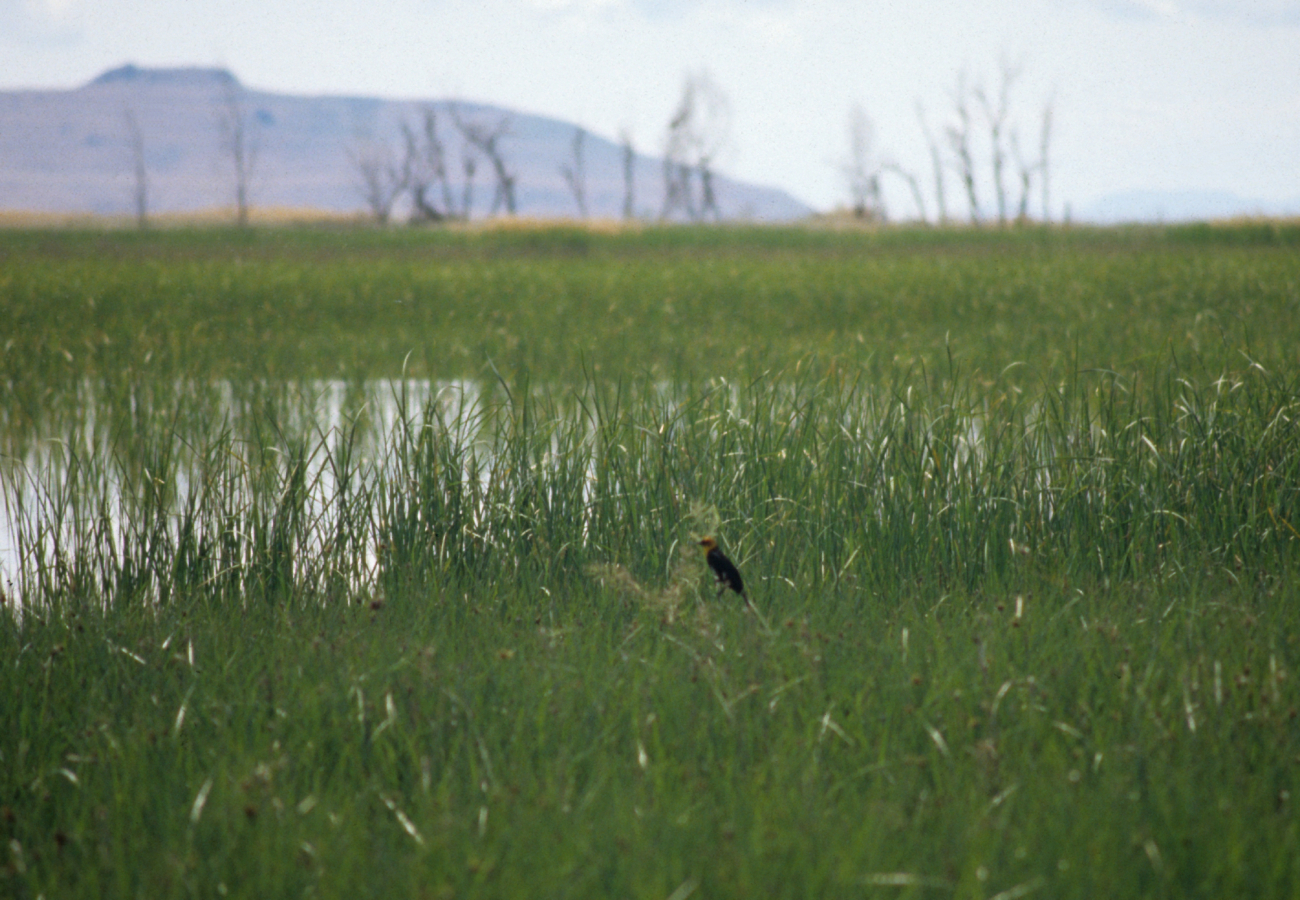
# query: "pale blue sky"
x,y
1166,95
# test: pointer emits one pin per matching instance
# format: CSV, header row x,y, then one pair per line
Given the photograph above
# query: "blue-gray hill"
x,y
69,151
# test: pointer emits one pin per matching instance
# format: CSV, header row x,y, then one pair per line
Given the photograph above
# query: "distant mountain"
x,y
69,151
1180,206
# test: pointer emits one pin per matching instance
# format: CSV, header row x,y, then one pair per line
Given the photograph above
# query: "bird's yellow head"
x,y
709,544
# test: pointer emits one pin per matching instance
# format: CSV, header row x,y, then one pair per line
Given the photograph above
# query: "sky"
x,y
1145,95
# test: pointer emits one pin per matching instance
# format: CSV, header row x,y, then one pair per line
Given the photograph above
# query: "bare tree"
x,y
436,154
135,139
961,150
430,172
1044,139
677,188
486,140
428,167
936,164
419,179
711,131
468,166
698,132
382,176
996,111
239,144
861,169
575,173
959,140
629,171
676,159
1025,171
1028,169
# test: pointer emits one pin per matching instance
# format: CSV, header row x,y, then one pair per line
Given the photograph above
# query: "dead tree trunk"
x,y
1044,139
861,168
995,116
1025,171
936,165
959,138
708,194
436,155
140,194
629,171
428,167
575,173
504,194
677,183
468,165
697,133
239,145
486,140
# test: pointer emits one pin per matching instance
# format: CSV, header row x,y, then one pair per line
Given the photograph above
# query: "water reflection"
x,y
82,467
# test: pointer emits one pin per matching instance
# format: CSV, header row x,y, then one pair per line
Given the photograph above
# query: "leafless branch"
x,y
996,111
383,177
913,185
486,140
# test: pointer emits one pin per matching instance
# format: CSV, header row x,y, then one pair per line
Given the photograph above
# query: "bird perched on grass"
x,y
724,570
728,576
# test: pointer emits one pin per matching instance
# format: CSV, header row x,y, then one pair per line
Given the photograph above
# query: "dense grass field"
x,y
358,563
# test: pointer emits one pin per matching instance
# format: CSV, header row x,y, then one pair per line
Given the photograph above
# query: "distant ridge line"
x,y
188,75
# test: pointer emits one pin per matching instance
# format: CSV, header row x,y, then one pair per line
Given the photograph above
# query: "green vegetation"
x,y
358,563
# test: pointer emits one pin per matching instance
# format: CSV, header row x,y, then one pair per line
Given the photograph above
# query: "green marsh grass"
x,y
360,564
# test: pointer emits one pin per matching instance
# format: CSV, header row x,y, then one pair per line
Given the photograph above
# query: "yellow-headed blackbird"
x,y
729,577
723,569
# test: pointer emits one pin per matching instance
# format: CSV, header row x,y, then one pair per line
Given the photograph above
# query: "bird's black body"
x,y
723,569
729,577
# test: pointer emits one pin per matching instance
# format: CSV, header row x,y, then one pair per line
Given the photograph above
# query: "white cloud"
x,y
576,6
1254,12
41,23
52,11
1263,13
779,25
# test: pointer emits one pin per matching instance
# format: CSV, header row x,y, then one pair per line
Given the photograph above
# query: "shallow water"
x,y
72,464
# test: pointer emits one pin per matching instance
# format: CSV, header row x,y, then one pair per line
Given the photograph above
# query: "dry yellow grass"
x,y
270,215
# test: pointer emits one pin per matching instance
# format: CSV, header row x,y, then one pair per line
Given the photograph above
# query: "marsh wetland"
x,y
363,563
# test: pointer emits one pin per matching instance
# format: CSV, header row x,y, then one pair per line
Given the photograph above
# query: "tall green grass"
x,y
438,626
288,306
816,481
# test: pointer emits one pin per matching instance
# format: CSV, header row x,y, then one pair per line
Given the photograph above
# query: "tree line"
x,y
442,150
1012,162
435,167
